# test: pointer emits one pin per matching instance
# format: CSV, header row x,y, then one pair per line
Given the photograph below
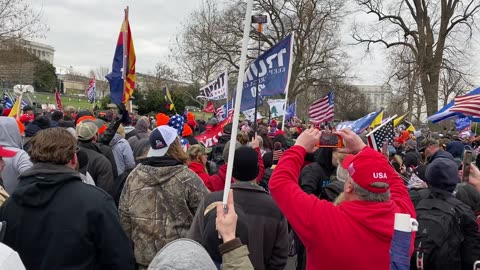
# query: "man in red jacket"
x,y
357,233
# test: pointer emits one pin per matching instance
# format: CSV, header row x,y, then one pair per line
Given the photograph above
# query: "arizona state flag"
x,y
122,78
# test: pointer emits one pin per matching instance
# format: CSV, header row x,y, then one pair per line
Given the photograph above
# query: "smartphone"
x,y
467,160
330,140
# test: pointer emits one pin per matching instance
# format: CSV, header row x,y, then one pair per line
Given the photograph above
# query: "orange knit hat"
x,y
162,119
187,130
190,116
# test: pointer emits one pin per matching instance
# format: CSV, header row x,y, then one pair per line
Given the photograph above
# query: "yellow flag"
x,y
411,128
399,120
16,108
378,120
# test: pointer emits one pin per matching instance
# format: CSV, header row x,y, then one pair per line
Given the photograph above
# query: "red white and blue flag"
x,y
92,87
322,110
223,112
467,105
122,78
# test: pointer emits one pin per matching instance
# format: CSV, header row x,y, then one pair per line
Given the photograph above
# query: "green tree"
x,y
274,112
44,77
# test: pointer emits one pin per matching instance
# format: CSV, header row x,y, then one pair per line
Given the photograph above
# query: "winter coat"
x,y
141,132
200,170
97,165
11,139
470,245
57,222
122,153
362,229
217,181
267,227
157,205
313,178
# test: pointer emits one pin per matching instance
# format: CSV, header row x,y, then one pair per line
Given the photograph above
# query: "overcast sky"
x,y
84,34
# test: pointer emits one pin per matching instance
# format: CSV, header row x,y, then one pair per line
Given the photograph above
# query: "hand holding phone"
x,y
330,140
467,160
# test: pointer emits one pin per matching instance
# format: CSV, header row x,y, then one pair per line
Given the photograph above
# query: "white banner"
x,y
217,89
277,107
250,115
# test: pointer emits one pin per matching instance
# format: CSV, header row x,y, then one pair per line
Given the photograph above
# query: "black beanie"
x,y
245,164
442,173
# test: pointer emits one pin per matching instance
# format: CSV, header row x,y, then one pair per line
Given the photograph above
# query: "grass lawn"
x,y
67,100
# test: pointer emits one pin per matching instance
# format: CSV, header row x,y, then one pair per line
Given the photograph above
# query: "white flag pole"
x,y
238,99
288,81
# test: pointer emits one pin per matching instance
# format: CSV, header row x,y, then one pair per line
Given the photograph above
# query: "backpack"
x,y
439,236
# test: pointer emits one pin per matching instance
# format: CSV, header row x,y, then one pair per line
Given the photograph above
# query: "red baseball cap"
x,y
6,153
368,167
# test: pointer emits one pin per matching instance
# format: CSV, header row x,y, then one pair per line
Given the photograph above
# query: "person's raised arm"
x,y
294,203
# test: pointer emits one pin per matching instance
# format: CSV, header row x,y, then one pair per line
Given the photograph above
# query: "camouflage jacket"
x,y
157,206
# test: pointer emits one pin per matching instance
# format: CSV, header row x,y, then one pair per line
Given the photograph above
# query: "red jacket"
x,y
353,235
217,181
200,170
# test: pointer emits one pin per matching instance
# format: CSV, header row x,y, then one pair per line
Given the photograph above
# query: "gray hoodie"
x,y
10,138
182,254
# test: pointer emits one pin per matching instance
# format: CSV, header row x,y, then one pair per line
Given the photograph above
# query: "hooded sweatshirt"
x,y
122,153
141,132
57,222
11,139
353,235
158,204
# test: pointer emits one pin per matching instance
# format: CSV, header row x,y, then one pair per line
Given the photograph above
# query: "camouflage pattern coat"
x,y
157,206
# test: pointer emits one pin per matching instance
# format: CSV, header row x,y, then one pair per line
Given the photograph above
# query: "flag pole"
x,y
288,84
124,71
238,99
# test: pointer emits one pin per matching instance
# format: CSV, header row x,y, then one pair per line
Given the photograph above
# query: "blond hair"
x,y
176,152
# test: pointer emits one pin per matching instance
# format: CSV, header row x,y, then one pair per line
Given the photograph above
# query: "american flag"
x,y
92,87
322,110
222,113
467,105
383,133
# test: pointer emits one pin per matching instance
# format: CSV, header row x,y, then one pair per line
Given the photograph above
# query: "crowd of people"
x,y
110,190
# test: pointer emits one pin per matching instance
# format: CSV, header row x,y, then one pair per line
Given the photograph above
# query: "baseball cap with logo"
x,y
86,130
369,169
160,140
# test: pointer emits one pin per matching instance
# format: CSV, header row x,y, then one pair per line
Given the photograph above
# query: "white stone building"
x,y
378,95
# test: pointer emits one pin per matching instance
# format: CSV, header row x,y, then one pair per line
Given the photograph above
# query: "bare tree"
x,y
429,29
316,23
193,53
19,20
101,81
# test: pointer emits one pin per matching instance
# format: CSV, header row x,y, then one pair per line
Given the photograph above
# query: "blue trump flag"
x,y
291,112
361,124
463,124
272,72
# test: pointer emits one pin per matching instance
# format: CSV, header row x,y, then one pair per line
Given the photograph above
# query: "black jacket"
x,y
470,247
97,165
312,178
267,226
54,221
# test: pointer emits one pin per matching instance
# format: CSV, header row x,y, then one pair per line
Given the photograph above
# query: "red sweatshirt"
x,y
200,170
353,235
217,181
